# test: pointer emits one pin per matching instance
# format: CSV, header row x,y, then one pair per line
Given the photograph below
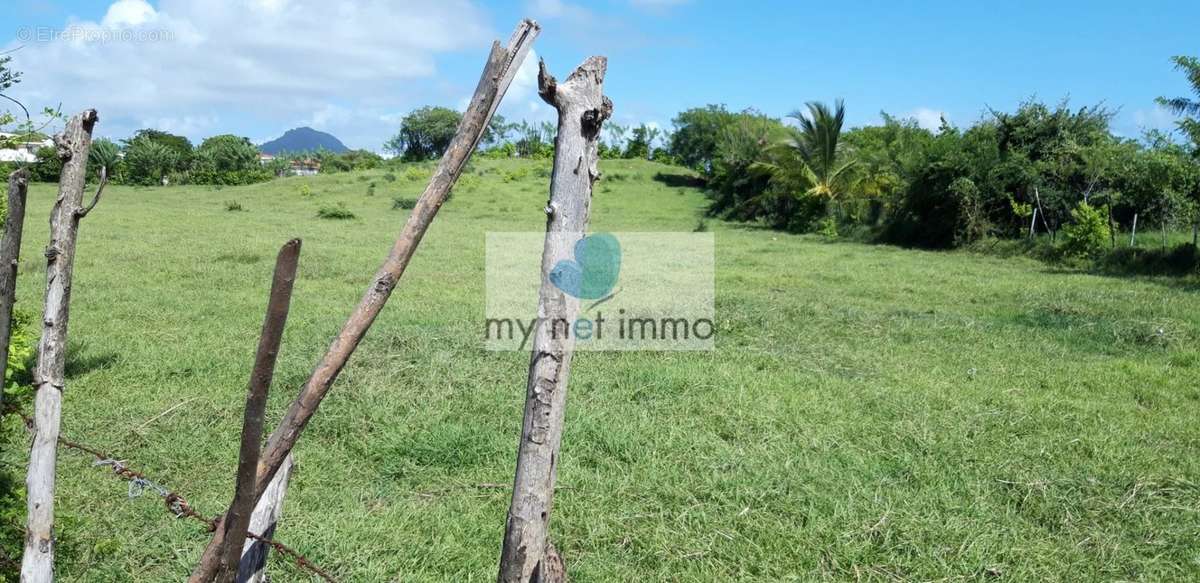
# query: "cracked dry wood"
x,y
527,555
10,255
74,144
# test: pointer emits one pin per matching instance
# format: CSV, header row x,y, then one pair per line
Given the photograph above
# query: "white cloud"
x,y
273,61
522,101
1154,119
930,119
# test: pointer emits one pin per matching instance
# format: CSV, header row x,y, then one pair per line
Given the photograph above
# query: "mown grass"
x,y
870,413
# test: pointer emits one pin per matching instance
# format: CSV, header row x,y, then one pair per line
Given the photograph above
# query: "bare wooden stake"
x,y
1133,232
499,72
74,144
223,554
527,555
253,567
10,255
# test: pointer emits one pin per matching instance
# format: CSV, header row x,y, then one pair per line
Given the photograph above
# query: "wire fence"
x,y
174,503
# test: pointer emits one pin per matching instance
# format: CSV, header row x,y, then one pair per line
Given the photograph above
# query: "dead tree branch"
x,y
220,559
83,212
501,67
527,555
10,255
37,564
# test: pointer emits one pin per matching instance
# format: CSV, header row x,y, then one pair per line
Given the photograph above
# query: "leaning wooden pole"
x,y
497,75
10,254
74,144
527,556
223,554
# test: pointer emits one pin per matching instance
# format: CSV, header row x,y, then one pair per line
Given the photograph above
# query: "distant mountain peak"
x,y
303,139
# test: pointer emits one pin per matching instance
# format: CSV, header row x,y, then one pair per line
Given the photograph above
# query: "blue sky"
x,y
259,67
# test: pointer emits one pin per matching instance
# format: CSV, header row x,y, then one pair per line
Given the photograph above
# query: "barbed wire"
x,y
175,503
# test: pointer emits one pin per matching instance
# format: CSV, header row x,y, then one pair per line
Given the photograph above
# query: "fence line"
x,y
175,503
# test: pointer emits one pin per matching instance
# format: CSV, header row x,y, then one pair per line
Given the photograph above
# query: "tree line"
x,y
425,133
1042,168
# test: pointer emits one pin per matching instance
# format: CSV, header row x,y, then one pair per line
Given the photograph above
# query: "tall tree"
x,y
425,133
809,159
1185,105
180,148
698,133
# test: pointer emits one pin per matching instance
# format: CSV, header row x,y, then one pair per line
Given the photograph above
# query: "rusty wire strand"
x,y
177,504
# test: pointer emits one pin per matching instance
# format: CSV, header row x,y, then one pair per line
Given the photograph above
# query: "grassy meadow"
x,y
870,413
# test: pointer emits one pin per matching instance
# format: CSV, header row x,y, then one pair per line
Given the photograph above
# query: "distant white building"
x,y
25,150
307,167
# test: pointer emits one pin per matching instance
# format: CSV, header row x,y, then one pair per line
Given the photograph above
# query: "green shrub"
x,y
1088,233
400,202
828,228
306,190
233,206
701,226
517,174
415,173
335,211
371,189
390,177
20,355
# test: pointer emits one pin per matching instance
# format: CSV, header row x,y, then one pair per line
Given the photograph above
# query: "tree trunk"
x,y
10,254
1133,232
1195,233
223,554
582,108
253,567
1038,196
1033,224
498,74
74,144
1112,227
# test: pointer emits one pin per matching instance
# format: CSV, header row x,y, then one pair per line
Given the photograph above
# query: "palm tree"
x,y
809,158
1183,105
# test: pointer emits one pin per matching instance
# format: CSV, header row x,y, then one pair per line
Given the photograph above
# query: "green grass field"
x,y
870,413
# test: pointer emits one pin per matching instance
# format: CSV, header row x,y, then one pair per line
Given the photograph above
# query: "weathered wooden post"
x,y
501,68
1133,232
74,144
222,556
527,555
10,255
253,567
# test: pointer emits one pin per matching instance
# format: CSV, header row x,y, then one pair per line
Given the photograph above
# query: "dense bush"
x,y
335,211
1089,234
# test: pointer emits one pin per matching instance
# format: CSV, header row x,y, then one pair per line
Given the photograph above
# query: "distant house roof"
x,y
26,150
